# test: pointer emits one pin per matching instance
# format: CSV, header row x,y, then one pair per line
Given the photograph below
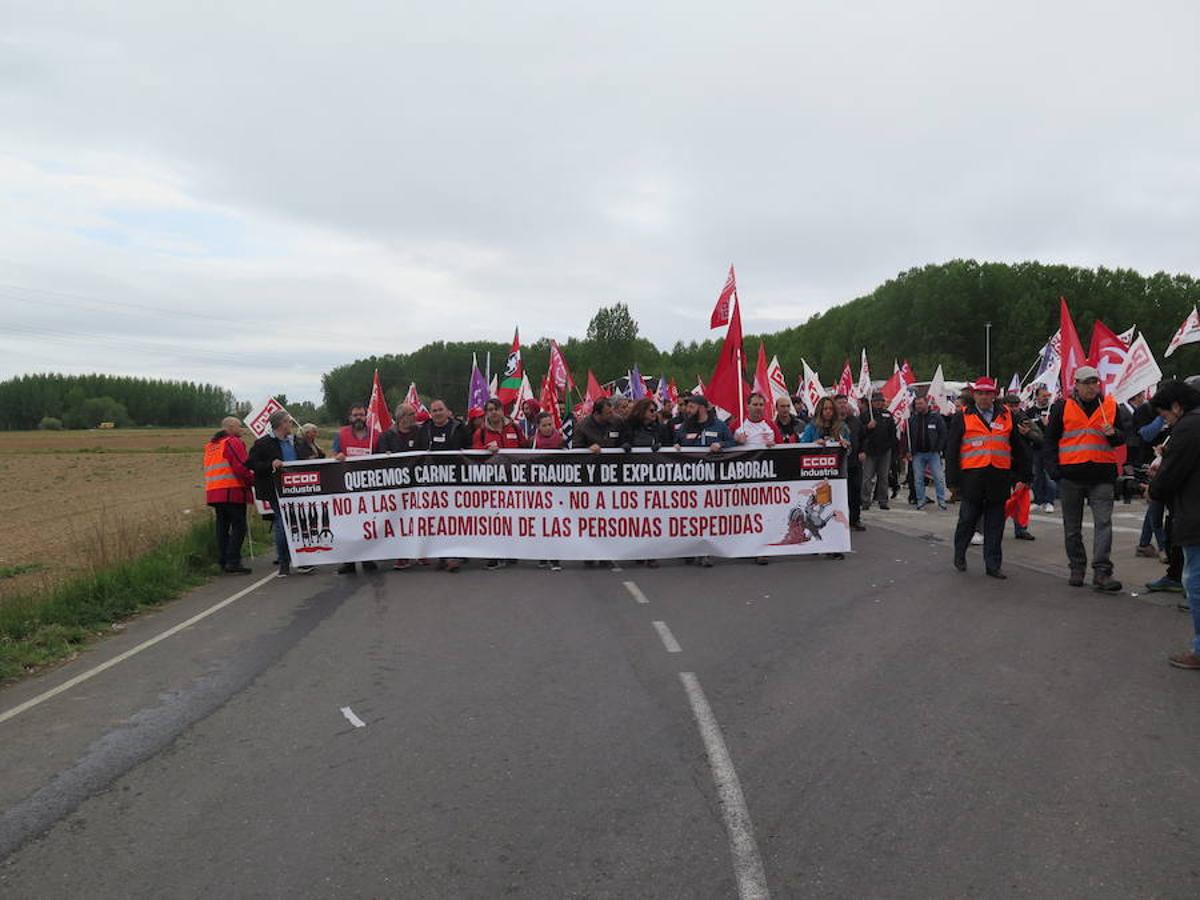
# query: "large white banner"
x,y
570,504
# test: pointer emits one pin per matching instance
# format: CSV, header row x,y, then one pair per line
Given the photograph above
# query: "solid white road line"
x,y
352,718
133,651
668,639
636,592
747,863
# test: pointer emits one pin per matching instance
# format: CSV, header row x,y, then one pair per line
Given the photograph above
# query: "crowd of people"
x,y
1077,451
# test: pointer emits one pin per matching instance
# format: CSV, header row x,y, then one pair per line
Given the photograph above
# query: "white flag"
x,y
525,392
864,378
1014,385
778,385
1126,337
939,402
1139,372
901,407
1188,333
813,391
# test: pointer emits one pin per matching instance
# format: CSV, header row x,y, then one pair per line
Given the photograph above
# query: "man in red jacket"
x,y
496,432
227,483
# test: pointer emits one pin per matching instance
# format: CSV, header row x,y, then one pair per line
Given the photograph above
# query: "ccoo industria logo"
x,y
819,465
301,482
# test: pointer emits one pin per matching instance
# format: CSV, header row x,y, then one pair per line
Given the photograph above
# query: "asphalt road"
x,y
891,728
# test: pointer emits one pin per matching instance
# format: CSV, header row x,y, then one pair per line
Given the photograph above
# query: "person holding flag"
x,y
1080,453
984,454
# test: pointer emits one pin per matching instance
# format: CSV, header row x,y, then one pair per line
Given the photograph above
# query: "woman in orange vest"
x,y
227,483
985,455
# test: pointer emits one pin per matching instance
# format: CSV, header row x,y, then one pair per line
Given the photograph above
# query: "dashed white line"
x,y
668,639
352,718
133,651
747,862
636,592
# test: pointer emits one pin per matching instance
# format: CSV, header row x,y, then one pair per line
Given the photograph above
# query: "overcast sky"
x,y
252,196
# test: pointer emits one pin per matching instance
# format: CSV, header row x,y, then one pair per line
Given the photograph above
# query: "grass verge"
x,y
37,629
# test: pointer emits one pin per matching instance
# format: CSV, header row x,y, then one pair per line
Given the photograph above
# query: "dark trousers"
x,y
1174,556
231,531
854,492
969,512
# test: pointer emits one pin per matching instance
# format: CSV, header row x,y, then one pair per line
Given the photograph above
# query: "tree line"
x,y
84,401
931,315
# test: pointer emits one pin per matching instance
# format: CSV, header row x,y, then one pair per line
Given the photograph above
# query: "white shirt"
x,y
757,434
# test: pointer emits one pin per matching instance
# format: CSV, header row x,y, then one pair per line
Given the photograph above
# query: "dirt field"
x,y
72,500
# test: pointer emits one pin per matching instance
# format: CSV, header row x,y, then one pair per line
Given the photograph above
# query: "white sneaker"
x,y
1047,507
976,539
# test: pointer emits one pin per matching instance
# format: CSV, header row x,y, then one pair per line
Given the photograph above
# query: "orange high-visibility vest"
x,y
218,473
983,446
1082,439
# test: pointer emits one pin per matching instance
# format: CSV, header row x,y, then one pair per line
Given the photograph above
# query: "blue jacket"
x,y
690,433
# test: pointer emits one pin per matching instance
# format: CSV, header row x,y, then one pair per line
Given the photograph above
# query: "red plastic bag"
x,y
1017,506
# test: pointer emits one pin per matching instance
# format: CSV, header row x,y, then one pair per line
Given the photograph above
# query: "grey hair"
x,y
278,417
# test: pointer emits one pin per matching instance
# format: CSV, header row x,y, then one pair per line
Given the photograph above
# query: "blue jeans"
x,y
281,544
1191,586
1152,526
932,462
1043,487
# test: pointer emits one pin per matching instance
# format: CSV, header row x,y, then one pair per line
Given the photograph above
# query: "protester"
x,y
1030,434
307,447
703,429
227,483
1152,435
1045,491
756,430
599,429
879,444
621,407
547,437
790,427
528,421
267,456
643,428
826,426
354,438
983,456
926,440
1079,452
402,436
1177,484
854,461
442,433
497,432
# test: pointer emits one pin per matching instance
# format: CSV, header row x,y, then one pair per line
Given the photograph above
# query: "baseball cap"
x,y
1083,373
984,384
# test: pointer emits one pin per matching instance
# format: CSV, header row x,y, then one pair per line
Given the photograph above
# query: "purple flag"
x,y
637,387
477,393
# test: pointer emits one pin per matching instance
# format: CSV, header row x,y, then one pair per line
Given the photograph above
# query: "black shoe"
x,y
1183,607
305,570
1106,584
857,526
706,562
1076,579
835,555
370,566
1025,536
284,571
345,569
884,506
996,573
237,570
960,563
493,565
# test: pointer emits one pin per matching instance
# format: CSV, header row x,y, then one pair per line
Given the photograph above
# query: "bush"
x,y
91,412
49,423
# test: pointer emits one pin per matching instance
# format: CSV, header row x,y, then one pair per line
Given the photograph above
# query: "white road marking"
x,y
352,718
668,639
133,651
636,592
747,863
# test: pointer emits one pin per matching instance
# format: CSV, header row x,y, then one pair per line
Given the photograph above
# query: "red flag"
x,y
378,417
594,390
560,374
1017,506
762,381
514,374
892,386
728,299
907,374
727,387
1071,349
1107,354
845,384
672,393
549,400
413,399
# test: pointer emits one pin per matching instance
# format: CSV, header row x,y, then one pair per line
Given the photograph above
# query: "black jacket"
x,y
260,460
394,441
857,432
1177,483
926,432
606,434
882,438
988,485
654,436
1081,473
454,435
